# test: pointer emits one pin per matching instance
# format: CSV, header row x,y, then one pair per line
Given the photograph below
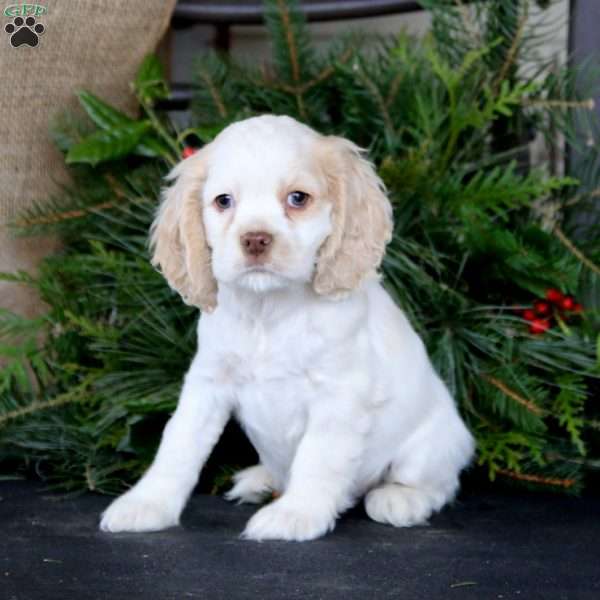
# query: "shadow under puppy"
x,y
276,232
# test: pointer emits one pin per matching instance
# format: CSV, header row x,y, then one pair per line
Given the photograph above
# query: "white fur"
x,y
337,396
251,485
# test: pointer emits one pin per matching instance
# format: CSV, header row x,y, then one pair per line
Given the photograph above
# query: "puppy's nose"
x,y
256,243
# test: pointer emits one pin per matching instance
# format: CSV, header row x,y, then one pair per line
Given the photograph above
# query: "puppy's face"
x,y
266,204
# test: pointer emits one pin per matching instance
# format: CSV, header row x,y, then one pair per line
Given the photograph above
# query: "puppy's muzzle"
x,y
256,243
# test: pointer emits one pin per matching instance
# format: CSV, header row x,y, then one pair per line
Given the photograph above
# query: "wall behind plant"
x,y
251,43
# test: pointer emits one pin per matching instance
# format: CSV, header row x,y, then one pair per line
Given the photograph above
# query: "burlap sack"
x,y
96,45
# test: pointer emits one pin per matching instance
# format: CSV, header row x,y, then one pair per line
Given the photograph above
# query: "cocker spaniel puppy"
x,y
276,232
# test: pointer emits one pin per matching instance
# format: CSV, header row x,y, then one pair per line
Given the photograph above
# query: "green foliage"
x,y
118,135
447,121
150,84
569,408
111,144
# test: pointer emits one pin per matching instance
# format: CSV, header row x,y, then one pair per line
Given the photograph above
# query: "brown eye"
x,y
297,199
224,201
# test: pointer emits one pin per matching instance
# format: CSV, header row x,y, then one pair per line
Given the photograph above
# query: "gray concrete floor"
x,y
506,545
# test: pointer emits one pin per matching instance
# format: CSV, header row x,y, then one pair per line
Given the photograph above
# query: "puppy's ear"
x,y
177,236
361,216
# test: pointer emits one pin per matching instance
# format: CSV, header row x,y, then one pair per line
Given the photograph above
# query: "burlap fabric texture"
x,y
95,45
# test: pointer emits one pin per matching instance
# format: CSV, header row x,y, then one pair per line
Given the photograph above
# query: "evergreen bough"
x,y
479,233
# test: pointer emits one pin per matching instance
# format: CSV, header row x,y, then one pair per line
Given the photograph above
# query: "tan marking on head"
x,y
361,218
177,236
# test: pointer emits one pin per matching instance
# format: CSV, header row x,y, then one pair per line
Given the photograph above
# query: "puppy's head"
x,y
269,203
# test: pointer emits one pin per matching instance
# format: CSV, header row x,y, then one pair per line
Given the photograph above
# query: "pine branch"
x,y
290,38
61,216
588,104
325,74
75,394
375,93
393,91
559,233
512,53
293,51
214,92
569,408
538,479
528,404
52,218
468,23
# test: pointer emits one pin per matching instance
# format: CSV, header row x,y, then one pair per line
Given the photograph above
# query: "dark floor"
x,y
502,546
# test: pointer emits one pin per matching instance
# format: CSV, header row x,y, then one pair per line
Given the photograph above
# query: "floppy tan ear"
x,y
361,216
177,236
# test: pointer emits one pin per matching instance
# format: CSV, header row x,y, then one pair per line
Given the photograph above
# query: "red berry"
x,y
539,326
578,308
567,303
554,295
188,151
541,307
529,315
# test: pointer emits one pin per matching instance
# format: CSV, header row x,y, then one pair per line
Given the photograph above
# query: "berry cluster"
x,y
188,151
546,310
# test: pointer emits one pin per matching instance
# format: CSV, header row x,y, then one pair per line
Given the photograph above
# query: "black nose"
x,y
256,243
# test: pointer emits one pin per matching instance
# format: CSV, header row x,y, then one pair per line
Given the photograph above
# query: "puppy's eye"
x,y
224,201
297,199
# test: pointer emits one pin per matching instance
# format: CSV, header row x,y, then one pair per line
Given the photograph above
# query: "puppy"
x,y
276,232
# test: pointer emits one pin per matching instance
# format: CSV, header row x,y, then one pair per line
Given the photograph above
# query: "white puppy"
x,y
276,233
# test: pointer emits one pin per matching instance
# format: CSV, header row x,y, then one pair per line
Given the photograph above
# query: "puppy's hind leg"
x,y
424,476
403,506
251,485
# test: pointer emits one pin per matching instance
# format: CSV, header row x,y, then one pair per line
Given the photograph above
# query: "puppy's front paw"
x,y
135,512
251,485
288,520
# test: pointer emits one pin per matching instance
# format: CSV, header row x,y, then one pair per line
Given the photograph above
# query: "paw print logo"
x,y
24,32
